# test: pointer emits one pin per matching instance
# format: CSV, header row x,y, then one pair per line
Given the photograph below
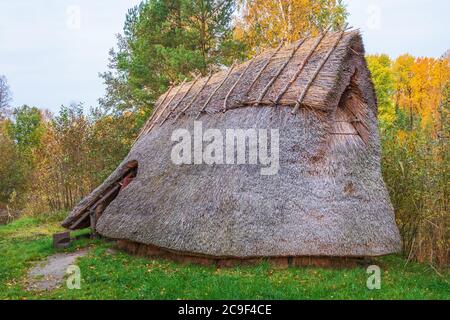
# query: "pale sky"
x,y
51,51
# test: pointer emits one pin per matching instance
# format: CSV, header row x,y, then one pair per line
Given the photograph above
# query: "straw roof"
x,y
328,198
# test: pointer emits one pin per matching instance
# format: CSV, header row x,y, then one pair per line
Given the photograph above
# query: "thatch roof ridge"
x,y
270,72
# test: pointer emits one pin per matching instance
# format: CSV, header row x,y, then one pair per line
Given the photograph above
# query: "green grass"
x,y
121,276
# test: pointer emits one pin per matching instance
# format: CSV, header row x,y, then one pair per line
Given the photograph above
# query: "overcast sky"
x,y
51,51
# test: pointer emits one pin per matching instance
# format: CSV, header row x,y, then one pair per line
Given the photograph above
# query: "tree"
x,y
380,69
5,97
164,42
403,75
11,170
26,128
264,23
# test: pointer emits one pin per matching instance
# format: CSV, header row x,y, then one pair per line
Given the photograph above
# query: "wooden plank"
x,y
316,73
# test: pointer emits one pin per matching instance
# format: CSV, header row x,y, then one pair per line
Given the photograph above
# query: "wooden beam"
x,y
80,220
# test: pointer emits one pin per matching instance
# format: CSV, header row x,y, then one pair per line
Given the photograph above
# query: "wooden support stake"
x,y
271,82
171,100
149,121
179,101
302,66
316,73
264,67
194,98
234,85
165,107
215,90
80,220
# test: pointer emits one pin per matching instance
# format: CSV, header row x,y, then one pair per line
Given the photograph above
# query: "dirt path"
x,y
49,274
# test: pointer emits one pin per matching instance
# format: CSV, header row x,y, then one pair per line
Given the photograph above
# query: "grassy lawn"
x,y
107,275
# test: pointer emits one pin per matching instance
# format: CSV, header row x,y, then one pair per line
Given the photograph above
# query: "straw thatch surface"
x,y
328,198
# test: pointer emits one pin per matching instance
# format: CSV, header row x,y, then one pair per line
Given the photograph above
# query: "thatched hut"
x,y
328,198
